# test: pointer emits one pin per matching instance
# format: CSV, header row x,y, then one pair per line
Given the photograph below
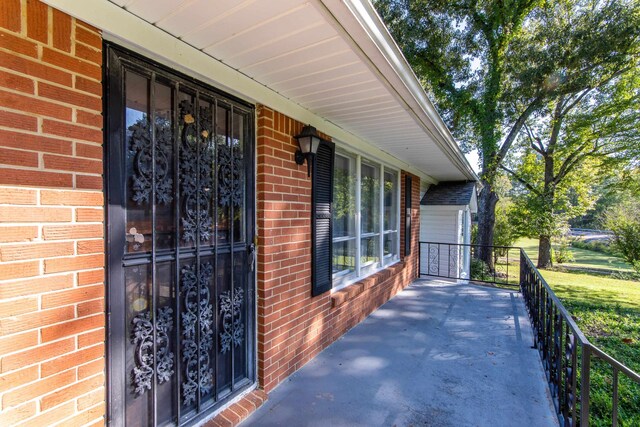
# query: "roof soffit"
x,y
319,54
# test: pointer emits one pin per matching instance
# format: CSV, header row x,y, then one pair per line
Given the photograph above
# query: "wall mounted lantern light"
x,y
308,142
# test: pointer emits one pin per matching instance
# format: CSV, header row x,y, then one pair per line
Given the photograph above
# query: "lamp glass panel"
x,y
305,144
315,142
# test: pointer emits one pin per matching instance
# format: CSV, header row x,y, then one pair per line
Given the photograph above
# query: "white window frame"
x,y
341,278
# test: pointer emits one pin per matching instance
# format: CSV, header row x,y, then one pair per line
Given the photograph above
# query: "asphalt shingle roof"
x,y
449,193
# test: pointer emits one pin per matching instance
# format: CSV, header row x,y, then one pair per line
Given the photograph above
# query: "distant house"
x,y
164,252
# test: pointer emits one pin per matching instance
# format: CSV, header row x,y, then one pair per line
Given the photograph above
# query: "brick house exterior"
x,y
53,248
293,326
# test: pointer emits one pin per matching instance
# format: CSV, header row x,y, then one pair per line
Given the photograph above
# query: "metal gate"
x,y
180,249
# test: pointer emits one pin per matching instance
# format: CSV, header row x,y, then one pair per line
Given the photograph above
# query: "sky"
x,y
473,159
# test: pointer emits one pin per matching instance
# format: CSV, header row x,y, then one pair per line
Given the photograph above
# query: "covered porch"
x,y
439,353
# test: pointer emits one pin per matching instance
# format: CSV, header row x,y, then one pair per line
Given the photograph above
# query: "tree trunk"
x,y
486,221
548,197
544,252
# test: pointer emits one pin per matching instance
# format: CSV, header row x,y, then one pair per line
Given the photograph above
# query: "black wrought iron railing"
x,y
568,357
460,261
566,353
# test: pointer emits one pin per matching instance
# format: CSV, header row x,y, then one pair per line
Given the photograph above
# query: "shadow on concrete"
x,y
438,354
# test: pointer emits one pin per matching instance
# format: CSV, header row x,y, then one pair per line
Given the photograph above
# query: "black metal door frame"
x,y
116,60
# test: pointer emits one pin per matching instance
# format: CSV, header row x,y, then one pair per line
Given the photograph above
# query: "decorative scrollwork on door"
x,y
232,326
197,319
230,186
142,337
141,148
196,171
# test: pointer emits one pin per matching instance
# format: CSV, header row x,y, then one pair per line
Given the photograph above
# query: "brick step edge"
x,y
239,411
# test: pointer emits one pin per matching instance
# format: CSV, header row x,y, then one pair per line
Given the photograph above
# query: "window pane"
x,y
390,200
139,163
237,172
369,198
188,163
206,182
369,250
390,244
223,138
137,288
390,216
344,197
165,179
344,257
344,215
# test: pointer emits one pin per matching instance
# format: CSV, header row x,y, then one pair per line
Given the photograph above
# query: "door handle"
x,y
251,255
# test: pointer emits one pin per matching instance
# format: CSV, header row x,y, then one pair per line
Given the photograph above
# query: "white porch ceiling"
x,y
301,50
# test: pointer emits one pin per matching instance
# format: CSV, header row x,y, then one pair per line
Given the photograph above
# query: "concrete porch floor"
x,y
438,354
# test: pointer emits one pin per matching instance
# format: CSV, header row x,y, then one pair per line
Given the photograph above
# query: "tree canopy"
x,y
573,139
490,65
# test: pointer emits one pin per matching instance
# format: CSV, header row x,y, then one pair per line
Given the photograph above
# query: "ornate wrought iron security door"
x,y
180,226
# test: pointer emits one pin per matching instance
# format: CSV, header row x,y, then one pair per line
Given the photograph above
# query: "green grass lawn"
x,y
584,258
608,312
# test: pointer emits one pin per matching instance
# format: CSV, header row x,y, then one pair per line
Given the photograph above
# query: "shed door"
x,y
180,226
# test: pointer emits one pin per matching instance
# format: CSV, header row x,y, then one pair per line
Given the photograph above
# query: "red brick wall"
x,y
292,326
51,218
412,259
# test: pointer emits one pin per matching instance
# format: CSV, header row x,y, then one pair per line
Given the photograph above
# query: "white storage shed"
x,y
445,229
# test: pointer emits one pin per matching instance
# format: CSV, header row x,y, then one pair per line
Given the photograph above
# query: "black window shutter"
x,y
407,215
321,210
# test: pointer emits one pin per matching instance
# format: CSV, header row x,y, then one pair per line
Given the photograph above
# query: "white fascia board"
x,y
363,24
473,205
132,32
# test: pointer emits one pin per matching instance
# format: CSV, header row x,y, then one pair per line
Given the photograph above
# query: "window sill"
x,y
351,291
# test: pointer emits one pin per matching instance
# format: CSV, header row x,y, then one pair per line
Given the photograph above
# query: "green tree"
x,y
620,184
568,145
504,232
623,220
607,194
542,207
491,64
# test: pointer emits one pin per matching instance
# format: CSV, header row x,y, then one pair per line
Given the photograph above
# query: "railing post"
x,y
521,280
585,384
419,259
449,263
570,389
614,414
507,266
495,262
